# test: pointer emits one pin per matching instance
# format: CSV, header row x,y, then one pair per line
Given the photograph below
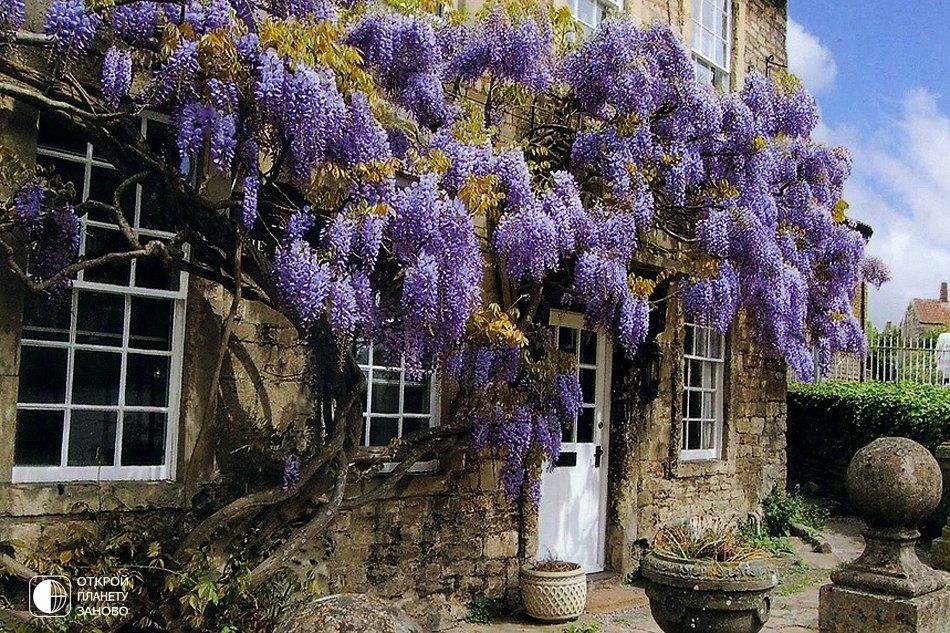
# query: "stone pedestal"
x,y
940,548
893,483
848,610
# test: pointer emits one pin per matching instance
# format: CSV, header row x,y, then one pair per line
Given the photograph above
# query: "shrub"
x,y
833,420
782,509
482,611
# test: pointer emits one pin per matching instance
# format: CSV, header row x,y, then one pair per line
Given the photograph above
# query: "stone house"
x,y
925,315
111,388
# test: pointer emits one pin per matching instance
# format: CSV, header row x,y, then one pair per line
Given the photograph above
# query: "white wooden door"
x,y
572,513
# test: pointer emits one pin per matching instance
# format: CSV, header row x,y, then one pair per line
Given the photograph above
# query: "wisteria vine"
x,y
440,166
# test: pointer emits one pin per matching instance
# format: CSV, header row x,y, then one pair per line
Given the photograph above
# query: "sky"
x,y
879,72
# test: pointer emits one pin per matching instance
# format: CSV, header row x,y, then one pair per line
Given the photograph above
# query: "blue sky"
x,y
881,77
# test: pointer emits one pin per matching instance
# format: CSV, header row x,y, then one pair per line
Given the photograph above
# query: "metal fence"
x,y
892,358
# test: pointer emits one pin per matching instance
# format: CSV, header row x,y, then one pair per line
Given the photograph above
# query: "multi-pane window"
x,y
100,368
582,344
590,13
396,404
712,41
703,392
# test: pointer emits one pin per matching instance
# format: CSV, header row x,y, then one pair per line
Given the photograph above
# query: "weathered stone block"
x,y
940,550
847,610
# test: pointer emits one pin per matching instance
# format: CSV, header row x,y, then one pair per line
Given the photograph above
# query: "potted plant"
x,y
553,590
703,576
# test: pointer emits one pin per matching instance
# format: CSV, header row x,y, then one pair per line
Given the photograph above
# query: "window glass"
x,y
712,41
395,404
703,392
98,384
582,344
39,438
590,13
91,438
42,375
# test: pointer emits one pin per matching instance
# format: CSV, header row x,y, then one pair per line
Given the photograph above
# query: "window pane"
x,y
585,11
143,438
694,373
695,403
700,337
91,438
588,347
150,273
715,345
100,241
96,377
99,318
709,16
693,435
382,431
385,391
416,399
709,438
146,380
567,431
55,134
39,438
588,385
154,211
567,339
102,185
708,411
411,425
46,319
42,374
585,425
150,325
68,171
688,345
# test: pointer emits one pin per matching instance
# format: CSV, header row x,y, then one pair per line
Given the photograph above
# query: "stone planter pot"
x,y
553,596
693,596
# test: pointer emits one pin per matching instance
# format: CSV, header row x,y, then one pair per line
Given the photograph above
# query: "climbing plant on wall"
x,y
434,185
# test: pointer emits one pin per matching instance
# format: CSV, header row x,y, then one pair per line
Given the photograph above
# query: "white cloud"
x,y
900,185
809,59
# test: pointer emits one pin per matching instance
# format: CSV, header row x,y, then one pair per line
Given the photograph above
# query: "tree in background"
x,y
433,185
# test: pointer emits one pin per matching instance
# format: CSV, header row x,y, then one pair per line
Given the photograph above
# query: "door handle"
x,y
597,453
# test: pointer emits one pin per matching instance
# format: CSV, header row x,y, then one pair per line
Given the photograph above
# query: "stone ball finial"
x,y
894,482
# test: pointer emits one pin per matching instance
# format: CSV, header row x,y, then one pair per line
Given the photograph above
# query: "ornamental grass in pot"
x,y
553,590
704,577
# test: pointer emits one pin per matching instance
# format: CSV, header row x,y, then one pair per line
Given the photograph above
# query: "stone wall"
x,y
439,542
649,484
444,538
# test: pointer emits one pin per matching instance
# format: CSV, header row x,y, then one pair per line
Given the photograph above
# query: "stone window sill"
x,y
684,469
39,499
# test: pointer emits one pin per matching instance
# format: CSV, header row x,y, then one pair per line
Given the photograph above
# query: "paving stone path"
x,y
616,608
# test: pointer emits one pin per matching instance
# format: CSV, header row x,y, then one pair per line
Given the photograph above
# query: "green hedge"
x,y
838,418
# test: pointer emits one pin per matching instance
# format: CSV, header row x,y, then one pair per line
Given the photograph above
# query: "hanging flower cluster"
x,y
362,145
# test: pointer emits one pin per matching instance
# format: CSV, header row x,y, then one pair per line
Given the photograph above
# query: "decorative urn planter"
x,y
554,591
705,596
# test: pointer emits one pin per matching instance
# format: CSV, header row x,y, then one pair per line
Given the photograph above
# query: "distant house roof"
x,y
932,311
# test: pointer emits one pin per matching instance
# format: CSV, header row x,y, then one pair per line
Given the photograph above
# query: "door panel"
x,y
572,510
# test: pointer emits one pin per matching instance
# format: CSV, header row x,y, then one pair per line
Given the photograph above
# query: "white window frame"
x,y
369,367
702,62
712,384
165,471
601,6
